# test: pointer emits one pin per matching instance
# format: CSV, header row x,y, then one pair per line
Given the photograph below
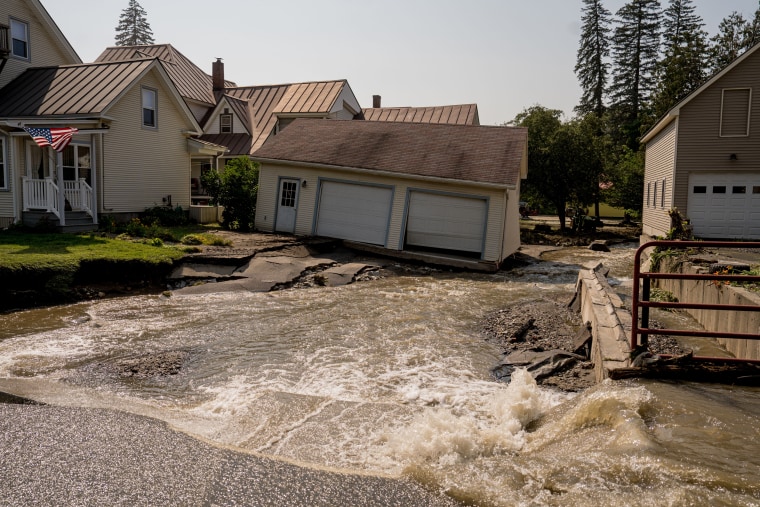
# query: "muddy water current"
x,y
392,378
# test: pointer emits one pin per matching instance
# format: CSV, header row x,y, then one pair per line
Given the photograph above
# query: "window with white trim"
x,y
3,166
149,107
76,163
654,194
649,191
662,197
19,39
225,123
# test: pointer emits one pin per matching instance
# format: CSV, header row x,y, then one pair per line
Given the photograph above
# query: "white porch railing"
x,y
43,195
79,194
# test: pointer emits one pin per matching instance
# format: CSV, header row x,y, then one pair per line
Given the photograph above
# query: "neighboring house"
x,y
462,114
28,37
116,107
703,157
441,189
236,120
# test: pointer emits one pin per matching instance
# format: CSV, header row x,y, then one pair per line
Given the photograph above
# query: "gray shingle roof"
x,y
460,152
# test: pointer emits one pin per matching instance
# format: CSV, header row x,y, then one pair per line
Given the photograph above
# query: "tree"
x,y
752,31
235,188
635,53
682,69
729,42
627,178
133,29
591,64
564,160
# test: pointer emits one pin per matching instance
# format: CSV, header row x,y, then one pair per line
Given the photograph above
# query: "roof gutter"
x,y
436,179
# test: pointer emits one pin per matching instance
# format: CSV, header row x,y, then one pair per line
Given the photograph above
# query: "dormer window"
x,y
19,39
225,123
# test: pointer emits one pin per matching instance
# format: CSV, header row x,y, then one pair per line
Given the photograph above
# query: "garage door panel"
x,y
354,212
729,207
446,222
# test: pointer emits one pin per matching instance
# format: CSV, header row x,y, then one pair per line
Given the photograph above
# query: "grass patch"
x,y
204,239
61,251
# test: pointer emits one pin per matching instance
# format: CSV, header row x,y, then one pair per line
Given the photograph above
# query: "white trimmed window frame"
x,y
149,100
749,110
3,165
19,31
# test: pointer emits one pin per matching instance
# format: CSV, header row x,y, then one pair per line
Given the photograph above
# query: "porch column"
x,y
61,193
94,175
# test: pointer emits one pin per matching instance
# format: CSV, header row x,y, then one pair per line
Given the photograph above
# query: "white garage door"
x,y
446,222
725,206
355,212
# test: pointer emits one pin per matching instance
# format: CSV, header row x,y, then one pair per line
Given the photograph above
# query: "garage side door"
x,y
355,212
725,206
446,222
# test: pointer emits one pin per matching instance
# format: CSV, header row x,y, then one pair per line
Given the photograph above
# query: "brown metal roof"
x,y
87,89
462,114
459,152
191,82
265,103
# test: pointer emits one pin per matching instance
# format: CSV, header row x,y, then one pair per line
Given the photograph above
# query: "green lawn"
x,y
24,250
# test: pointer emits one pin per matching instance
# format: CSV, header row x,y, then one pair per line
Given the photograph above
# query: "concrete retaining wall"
x,y
709,292
610,322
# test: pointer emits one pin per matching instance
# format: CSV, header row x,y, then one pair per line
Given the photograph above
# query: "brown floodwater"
x,y
392,378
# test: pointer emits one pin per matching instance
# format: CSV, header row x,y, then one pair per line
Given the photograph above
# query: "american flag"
x,y
58,137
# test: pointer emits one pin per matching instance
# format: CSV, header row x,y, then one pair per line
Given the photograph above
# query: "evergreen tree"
x,y
682,69
133,29
635,54
591,67
752,31
729,42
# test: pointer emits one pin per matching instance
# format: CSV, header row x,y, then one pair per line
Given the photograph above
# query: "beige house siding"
x,y
143,165
7,213
660,166
44,47
268,193
511,232
700,146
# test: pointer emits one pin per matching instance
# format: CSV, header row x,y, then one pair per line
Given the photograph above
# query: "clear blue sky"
x,y
504,55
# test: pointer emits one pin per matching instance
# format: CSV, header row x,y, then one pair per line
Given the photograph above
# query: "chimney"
x,y
217,75
376,101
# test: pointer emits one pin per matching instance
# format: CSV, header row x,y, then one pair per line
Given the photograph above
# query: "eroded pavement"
x,y
261,263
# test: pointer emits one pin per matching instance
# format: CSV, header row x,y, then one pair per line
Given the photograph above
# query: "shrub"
x,y
235,189
164,215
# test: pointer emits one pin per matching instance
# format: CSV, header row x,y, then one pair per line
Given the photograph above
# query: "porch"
x,y
70,209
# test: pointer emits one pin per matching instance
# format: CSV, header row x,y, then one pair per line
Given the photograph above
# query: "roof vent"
x,y
376,101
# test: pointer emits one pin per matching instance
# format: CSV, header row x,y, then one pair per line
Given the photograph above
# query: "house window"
x,y
662,196
719,190
700,189
649,190
288,196
738,190
3,166
756,189
654,195
149,107
76,163
19,39
225,123
734,112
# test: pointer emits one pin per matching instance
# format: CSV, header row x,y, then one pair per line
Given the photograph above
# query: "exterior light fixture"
x,y
732,156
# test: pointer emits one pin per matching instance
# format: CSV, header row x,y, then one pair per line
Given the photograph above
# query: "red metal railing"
x,y
642,288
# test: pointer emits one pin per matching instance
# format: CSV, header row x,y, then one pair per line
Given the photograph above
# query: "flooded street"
x,y
391,378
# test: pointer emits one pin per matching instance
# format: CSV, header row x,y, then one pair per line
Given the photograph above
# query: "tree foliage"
x,y
635,52
564,159
591,66
133,29
235,188
682,69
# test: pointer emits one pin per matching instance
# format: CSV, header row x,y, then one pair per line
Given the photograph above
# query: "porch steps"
x,y
76,221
